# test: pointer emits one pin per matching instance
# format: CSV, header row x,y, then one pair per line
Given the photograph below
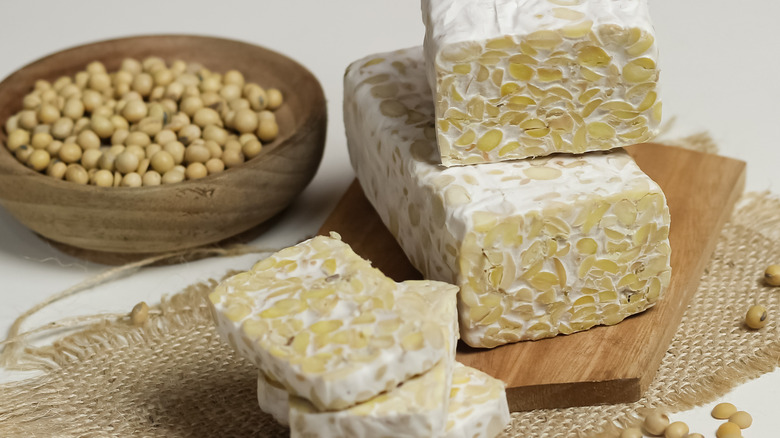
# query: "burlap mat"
x,y
174,377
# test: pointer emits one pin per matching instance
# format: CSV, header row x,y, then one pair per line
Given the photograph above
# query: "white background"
x,y
720,66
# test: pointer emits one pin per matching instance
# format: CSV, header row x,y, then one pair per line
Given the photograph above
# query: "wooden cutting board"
x,y
605,364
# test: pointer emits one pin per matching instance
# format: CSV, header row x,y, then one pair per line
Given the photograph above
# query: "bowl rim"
x,y
268,149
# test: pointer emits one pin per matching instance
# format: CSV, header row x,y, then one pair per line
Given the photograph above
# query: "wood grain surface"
x,y
147,220
612,364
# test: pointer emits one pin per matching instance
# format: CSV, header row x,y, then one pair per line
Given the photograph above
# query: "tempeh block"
x,y
321,321
539,247
526,78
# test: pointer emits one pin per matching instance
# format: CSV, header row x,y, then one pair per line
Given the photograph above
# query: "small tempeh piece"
x,y
539,247
477,408
273,399
526,78
318,319
478,405
416,408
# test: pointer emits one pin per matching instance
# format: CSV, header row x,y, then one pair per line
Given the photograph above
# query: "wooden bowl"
x,y
177,216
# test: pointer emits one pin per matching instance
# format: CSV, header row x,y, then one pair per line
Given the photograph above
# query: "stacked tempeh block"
x,y
523,78
344,351
538,246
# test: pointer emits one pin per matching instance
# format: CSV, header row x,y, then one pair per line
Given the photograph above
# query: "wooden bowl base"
x,y
188,255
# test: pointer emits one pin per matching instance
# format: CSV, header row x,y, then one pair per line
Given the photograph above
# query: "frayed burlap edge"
x,y
13,355
175,312
759,211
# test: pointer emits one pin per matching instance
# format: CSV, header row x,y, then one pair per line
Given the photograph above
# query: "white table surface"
x,y
720,65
